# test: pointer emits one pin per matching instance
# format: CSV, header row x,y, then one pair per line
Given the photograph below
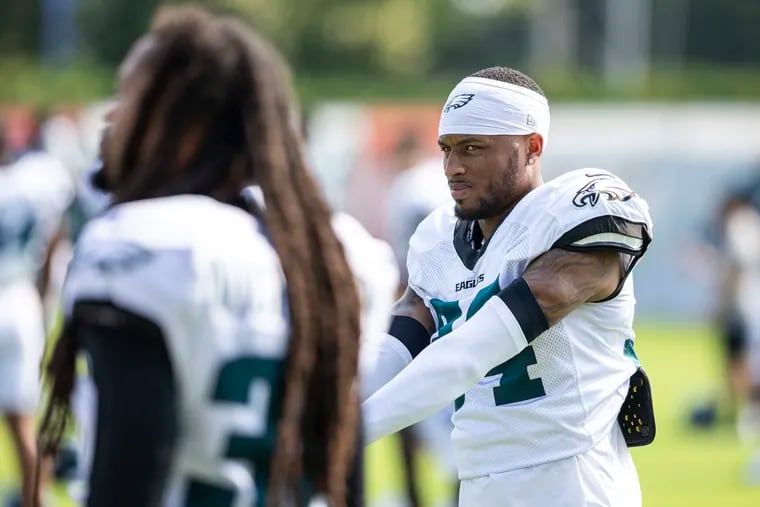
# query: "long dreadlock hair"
x,y
206,108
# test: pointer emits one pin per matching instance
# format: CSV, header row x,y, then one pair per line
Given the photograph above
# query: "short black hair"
x,y
509,75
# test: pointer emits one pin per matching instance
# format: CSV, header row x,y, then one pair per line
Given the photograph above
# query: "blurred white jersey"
x,y
205,273
34,194
413,195
561,395
371,262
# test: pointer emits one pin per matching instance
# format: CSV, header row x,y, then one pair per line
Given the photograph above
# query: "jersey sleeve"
x,y
596,210
421,263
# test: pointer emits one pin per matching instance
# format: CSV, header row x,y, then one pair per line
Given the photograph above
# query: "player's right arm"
x,y
409,333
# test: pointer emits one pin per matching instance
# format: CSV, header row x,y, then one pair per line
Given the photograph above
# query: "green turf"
x,y
684,467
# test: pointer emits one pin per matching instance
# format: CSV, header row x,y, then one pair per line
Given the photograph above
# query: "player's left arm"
x,y
562,280
553,286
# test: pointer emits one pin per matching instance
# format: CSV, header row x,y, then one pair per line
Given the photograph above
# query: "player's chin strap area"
x,y
636,417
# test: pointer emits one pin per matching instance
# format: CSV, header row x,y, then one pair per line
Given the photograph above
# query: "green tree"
x,y
19,27
108,28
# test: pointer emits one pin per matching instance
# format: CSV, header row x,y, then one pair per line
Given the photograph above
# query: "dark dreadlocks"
x,y
207,109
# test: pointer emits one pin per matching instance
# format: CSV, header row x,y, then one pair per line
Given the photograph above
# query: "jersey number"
x,y
253,383
515,384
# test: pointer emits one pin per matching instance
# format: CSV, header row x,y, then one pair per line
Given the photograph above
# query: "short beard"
x,y
487,207
499,196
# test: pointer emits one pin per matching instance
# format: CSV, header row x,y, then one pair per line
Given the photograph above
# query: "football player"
x,y
742,249
519,309
34,193
223,333
372,264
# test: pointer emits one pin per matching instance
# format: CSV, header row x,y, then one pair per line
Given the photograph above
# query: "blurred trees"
x,y
622,46
415,37
108,28
18,27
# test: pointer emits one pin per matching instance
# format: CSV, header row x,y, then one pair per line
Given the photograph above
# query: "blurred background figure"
x,y
741,318
734,253
35,190
731,249
414,193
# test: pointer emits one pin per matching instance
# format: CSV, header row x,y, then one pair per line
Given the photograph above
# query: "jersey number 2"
x,y
515,384
251,382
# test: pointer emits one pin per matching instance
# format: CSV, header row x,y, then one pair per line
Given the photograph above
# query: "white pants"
x,y
22,342
605,476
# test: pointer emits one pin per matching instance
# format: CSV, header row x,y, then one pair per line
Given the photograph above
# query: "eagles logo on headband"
x,y
494,108
458,101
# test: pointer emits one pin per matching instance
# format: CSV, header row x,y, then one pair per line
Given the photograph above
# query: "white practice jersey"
x,y
205,273
34,194
413,195
562,393
374,269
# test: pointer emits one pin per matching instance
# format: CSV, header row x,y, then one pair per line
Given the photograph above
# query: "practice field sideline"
x,y
684,467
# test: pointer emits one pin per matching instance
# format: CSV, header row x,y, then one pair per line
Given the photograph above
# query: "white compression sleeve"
x,y
446,369
380,362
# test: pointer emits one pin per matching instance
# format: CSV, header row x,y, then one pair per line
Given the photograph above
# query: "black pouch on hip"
x,y
636,417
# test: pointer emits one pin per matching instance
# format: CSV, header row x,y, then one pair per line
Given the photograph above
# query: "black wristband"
x,y
522,303
411,333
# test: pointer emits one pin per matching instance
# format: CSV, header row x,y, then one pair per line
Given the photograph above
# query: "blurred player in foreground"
x,y
223,332
525,289
34,193
371,262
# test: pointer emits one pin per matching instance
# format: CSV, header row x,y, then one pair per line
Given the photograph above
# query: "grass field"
x,y
683,468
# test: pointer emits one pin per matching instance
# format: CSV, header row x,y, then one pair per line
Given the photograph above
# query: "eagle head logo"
x,y
458,101
113,257
602,185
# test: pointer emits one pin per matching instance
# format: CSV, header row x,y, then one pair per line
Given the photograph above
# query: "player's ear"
x,y
535,145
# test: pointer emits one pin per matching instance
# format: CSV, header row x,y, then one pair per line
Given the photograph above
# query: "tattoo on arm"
x,y
562,280
411,305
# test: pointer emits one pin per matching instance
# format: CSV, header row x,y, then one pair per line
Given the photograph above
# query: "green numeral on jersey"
x,y
446,313
515,384
254,382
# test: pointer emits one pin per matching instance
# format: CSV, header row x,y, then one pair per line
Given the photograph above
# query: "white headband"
x,y
489,107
